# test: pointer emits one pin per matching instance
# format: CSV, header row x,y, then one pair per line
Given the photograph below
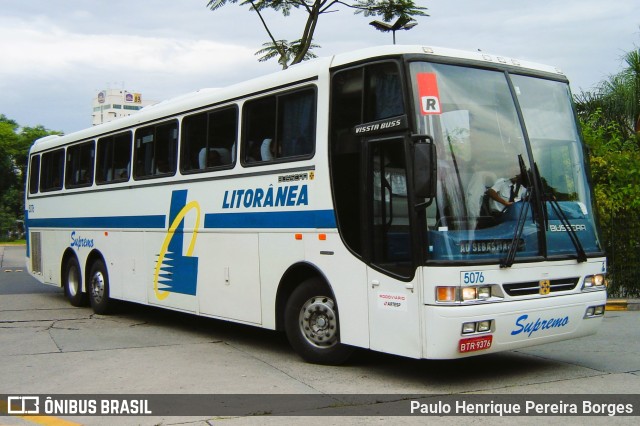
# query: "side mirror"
x,y
425,170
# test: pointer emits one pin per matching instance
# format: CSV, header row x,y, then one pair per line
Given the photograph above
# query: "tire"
x,y
98,288
72,282
312,324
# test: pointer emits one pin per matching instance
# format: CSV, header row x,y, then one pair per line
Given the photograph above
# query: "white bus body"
x,y
327,235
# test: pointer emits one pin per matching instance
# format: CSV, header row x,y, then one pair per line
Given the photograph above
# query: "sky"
x,y
55,56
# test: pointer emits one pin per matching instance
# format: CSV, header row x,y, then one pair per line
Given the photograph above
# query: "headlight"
x,y
462,294
484,326
596,281
594,311
484,292
469,293
468,327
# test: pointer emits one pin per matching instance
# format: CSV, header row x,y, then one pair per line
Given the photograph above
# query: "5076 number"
x,y
475,277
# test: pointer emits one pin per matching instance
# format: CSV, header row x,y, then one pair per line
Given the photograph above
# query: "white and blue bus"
x,y
348,201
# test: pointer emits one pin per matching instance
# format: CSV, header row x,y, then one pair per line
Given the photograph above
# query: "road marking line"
x,y
41,420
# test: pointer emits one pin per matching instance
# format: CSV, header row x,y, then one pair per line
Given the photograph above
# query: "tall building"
x,y
110,104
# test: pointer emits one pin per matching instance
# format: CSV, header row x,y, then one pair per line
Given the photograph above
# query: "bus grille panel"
x,y
533,287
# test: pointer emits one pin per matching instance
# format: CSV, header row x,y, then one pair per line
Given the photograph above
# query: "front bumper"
x,y
515,324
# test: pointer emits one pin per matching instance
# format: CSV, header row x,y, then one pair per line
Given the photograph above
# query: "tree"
x,y
8,141
616,100
289,53
15,142
610,119
26,137
283,50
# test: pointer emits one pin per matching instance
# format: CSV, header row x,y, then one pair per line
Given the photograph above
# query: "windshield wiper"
x,y
582,256
555,205
508,261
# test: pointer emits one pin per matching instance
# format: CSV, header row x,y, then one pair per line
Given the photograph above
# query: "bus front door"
x,y
394,319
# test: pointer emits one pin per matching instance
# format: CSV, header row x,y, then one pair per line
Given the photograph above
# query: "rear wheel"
x,y
99,288
72,282
312,324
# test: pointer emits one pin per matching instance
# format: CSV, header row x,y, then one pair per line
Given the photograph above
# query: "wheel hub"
x,y
97,287
318,322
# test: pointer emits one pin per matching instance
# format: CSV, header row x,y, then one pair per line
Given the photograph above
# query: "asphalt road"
x,y
49,347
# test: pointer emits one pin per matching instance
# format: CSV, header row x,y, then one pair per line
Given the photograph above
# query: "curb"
x,y
623,305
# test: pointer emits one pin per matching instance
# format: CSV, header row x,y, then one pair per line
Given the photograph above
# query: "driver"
x,y
506,191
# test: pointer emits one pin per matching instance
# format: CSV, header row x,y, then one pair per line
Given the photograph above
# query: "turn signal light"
x,y
446,294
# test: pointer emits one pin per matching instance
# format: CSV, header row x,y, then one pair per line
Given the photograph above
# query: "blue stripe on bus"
x,y
297,219
128,222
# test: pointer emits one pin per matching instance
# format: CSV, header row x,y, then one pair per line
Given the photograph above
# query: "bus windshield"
x,y
485,202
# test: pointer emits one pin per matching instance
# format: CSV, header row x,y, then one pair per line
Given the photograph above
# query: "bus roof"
x,y
309,69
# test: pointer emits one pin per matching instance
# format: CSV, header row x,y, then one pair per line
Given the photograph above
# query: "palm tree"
x,y
616,100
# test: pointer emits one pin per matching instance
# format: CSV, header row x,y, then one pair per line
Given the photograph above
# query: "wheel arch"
x,y
291,279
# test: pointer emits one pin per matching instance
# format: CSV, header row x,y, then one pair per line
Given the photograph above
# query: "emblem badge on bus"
x,y
545,287
176,271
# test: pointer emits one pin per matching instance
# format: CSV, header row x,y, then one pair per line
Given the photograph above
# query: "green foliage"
x,y
272,50
15,142
610,118
615,103
390,9
615,171
289,53
615,166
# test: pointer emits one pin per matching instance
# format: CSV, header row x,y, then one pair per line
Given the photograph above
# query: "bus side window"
x,y
52,171
221,137
359,95
259,117
208,140
114,158
194,140
79,170
296,123
155,150
34,174
280,126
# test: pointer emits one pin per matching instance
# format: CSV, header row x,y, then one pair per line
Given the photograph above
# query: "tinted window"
x,y
209,140
114,158
155,150
52,170
80,165
359,95
34,174
280,126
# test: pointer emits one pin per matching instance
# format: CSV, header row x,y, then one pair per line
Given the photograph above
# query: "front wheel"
x,y
98,287
312,324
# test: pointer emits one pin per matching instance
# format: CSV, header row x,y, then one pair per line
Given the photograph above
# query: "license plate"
x,y
472,344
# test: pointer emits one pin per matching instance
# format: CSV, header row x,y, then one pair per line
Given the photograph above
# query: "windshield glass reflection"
x,y
548,114
478,211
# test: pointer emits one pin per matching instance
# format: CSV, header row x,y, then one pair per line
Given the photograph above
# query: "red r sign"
x,y
428,92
